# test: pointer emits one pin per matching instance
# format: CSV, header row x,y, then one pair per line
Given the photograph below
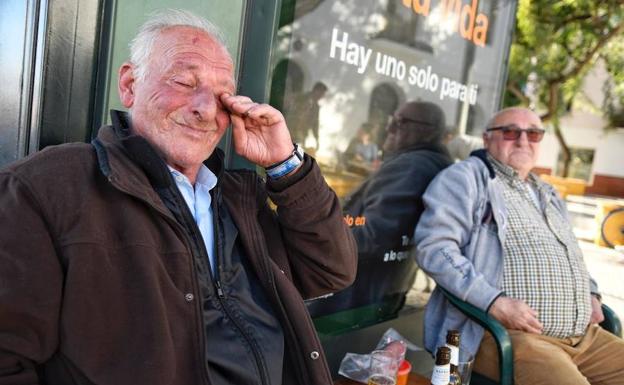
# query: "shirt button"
x,y
315,355
189,297
179,178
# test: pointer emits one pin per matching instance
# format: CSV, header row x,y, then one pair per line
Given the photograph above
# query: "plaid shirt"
x,y
543,264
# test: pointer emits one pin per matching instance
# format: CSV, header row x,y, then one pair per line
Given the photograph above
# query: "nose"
x,y
204,105
523,139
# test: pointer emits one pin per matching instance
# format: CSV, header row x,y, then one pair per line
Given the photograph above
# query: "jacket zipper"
x,y
217,283
297,347
269,273
251,342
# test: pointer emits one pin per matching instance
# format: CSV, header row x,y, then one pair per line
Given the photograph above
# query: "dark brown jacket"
x,y
97,285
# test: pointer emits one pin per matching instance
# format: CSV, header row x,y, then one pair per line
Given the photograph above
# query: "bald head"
x,y
519,153
494,121
415,123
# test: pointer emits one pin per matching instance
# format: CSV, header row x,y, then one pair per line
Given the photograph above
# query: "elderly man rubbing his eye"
x,y
139,259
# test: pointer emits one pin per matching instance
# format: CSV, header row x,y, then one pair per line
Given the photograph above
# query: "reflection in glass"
x,y
384,210
374,57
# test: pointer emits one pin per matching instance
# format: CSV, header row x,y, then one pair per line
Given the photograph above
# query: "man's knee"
x,y
537,360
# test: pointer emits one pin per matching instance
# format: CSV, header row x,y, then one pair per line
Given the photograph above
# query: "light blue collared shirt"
x,y
198,200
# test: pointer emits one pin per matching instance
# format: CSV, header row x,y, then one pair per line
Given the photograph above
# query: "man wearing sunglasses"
x,y
496,236
390,200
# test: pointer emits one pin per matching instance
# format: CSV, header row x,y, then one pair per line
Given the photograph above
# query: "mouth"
x,y
193,131
522,153
186,126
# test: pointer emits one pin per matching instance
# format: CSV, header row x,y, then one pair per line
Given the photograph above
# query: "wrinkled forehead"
x,y
518,116
179,41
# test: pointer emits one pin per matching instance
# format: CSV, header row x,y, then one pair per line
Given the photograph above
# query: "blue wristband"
x,y
285,167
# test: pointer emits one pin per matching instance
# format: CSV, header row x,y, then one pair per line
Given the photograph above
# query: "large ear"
x,y
486,139
125,85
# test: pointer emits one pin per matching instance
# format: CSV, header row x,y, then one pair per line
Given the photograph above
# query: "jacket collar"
x,y
482,156
149,158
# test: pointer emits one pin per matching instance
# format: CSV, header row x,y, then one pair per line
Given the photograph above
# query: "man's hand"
x,y
515,314
596,316
259,130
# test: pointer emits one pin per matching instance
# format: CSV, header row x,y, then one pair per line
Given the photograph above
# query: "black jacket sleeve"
x,y
320,247
391,203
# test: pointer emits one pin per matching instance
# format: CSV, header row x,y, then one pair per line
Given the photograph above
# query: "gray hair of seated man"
x,y
142,44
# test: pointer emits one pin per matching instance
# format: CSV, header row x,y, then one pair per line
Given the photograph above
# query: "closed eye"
x,y
184,84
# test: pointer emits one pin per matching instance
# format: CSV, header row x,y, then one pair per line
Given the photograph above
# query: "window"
x,y
581,161
342,68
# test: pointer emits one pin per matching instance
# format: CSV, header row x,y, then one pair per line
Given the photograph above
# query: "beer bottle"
x,y
441,370
452,342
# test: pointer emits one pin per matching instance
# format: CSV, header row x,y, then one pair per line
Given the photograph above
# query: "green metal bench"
x,y
505,353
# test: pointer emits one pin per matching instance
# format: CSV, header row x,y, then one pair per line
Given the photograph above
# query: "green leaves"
x,y
558,42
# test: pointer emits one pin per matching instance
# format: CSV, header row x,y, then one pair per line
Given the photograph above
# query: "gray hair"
x,y
143,43
504,111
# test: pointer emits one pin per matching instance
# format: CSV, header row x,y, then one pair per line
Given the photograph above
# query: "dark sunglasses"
x,y
513,132
402,122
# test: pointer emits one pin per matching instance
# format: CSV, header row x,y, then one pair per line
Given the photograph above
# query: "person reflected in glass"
x,y
303,114
388,204
362,154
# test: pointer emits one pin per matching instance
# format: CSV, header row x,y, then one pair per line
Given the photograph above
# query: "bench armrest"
x,y
611,322
503,341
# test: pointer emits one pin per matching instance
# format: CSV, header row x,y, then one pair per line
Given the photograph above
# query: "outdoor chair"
x,y
505,354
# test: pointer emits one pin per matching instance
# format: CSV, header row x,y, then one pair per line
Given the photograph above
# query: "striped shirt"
x,y
543,263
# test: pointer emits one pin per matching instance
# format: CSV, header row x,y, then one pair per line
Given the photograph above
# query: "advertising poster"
x,y
342,68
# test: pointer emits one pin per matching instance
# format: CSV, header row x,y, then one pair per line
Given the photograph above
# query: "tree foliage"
x,y
555,45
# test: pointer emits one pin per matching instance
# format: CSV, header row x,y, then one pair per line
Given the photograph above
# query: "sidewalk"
x,y
606,266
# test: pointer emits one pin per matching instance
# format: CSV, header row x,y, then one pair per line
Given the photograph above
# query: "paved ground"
x,y
606,266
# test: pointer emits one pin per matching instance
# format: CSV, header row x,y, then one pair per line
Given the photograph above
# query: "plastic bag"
x,y
355,366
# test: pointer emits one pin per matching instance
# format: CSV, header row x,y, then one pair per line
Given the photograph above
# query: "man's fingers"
x,y
596,318
239,136
530,321
244,107
263,113
532,329
535,325
236,104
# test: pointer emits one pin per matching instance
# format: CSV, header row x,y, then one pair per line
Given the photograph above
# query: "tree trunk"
x,y
553,115
567,156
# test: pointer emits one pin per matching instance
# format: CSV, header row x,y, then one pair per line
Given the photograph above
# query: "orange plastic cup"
x,y
404,371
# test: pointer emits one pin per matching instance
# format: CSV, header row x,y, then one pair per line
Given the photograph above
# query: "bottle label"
x,y
441,375
454,354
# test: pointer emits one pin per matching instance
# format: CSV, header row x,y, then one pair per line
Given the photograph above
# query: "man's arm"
x,y
321,250
445,227
391,205
320,246
30,285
